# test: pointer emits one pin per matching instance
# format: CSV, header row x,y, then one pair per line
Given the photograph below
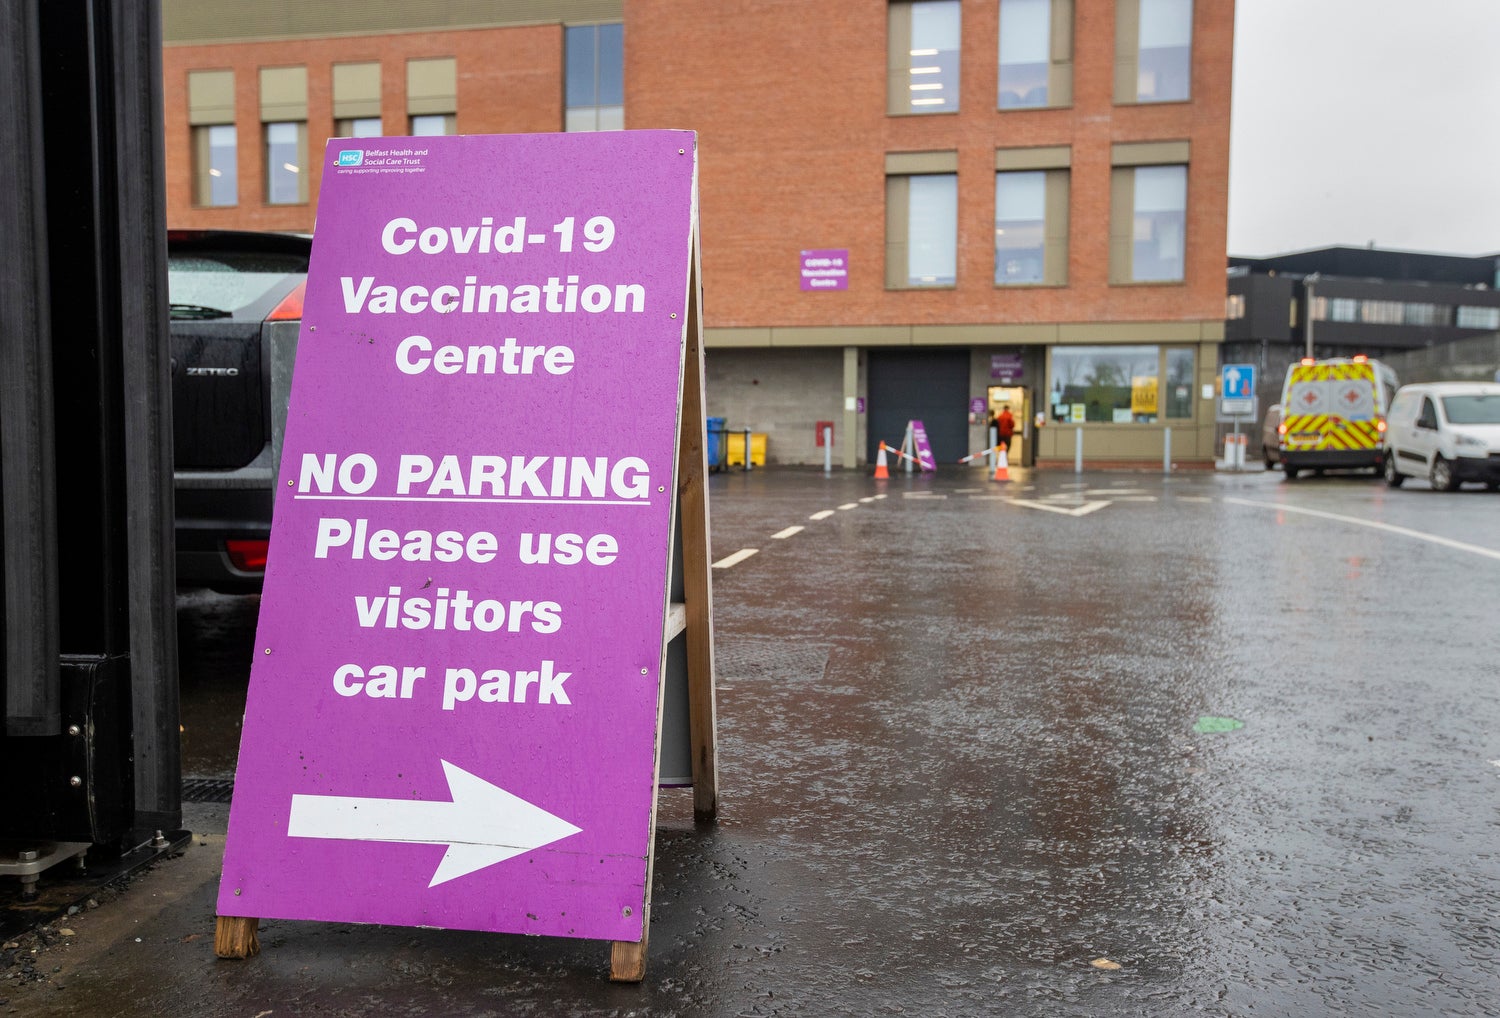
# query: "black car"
x,y
236,310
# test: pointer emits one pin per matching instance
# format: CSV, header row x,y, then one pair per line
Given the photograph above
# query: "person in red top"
x,y
1005,425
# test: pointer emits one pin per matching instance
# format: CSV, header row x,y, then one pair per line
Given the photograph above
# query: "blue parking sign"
x,y
1238,381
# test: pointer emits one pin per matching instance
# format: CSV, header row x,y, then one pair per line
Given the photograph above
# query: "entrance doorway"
x,y
1022,444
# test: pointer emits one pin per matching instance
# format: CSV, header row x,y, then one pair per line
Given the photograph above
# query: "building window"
x,y
216,180
1031,223
1120,384
1151,210
921,219
595,60
1036,53
432,96
1153,50
431,124
1380,312
1178,399
1427,314
1234,306
286,163
922,64
1470,317
358,127
215,140
356,101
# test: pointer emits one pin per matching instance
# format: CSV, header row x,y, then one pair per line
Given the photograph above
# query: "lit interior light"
x,y
924,52
926,70
939,101
290,168
215,173
929,279
998,231
926,86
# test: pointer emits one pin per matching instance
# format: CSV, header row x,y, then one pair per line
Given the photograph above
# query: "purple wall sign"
x,y
925,459
825,269
452,711
1006,368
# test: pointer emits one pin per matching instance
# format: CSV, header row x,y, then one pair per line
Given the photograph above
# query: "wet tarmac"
x,y
1100,744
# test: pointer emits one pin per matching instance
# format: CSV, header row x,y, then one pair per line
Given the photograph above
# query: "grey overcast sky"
x,y
1365,120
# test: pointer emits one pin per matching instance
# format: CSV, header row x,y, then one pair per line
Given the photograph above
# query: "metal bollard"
x,y
827,451
1078,451
747,450
1166,450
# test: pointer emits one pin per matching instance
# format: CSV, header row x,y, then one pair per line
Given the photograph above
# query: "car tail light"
x,y
1380,425
1308,361
249,556
290,308
1360,358
1281,429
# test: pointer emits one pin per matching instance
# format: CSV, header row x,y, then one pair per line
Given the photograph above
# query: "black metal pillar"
x,y
91,737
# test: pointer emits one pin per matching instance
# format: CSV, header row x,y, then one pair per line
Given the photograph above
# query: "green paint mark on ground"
x,y
1208,725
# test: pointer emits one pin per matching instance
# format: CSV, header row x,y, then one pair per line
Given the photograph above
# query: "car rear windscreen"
x,y
227,281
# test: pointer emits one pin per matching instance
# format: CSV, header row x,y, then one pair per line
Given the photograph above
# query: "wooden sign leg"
x,y
692,494
627,961
237,937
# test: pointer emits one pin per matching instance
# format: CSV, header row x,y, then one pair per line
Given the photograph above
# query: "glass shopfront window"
x,y
1120,384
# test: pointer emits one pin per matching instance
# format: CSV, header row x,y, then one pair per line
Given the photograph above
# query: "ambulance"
x,y
1333,415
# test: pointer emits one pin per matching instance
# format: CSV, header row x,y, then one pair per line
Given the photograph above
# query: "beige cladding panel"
x,y
1051,157
908,163
432,86
210,97
283,94
198,21
356,90
1149,153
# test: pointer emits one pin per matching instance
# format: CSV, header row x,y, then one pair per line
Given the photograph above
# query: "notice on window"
x,y
452,711
1143,395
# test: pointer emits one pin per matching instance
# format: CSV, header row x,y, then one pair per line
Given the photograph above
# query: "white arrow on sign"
x,y
482,825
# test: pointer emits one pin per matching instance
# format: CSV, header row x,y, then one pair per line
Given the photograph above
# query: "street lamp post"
x,y
1307,325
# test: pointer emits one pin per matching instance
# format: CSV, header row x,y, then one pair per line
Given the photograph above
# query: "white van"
x,y
1447,432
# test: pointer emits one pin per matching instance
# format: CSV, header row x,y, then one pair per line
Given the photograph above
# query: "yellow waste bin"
x,y
735,457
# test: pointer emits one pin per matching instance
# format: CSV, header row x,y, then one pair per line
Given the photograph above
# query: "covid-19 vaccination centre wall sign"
x,y
454,710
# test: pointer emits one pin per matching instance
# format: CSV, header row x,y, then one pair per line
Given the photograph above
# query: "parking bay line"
x,y
782,535
736,558
822,514
1391,528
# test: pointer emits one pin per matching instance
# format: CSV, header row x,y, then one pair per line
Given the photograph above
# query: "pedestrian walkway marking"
x,y
782,535
923,494
821,515
1391,528
1082,510
736,558
849,505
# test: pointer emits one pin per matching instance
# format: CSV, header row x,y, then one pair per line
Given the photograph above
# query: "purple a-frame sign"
x,y
453,708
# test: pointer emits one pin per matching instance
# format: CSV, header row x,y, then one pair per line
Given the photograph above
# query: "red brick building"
x,y
1029,196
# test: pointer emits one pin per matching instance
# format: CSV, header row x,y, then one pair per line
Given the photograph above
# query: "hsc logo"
x,y
351,157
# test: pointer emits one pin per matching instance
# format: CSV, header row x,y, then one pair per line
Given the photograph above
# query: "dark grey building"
x,y
1342,301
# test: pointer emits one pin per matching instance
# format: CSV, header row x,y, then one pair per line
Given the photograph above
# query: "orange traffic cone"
x,y
882,472
1002,466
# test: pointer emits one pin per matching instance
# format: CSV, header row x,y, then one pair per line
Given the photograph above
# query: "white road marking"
x,y
922,494
1082,510
782,535
849,505
1390,528
867,499
880,496
821,515
736,558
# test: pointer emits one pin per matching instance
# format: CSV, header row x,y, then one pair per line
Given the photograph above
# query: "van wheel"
x,y
1442,475
1393,477
1290,471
